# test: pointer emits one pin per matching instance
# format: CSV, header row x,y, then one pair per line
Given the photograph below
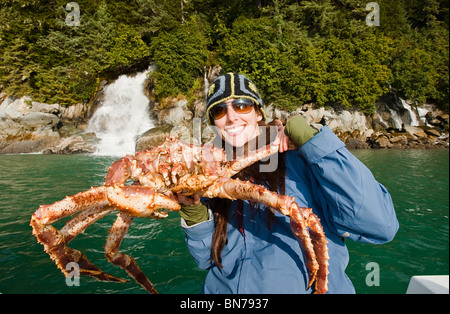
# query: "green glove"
x,y
194,214
299,131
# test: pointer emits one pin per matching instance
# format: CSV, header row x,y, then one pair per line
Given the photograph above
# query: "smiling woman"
x,y
248,248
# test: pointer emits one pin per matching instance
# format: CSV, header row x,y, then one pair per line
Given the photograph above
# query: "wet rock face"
x,y
31,127
27,126
386,128
383,129
71,145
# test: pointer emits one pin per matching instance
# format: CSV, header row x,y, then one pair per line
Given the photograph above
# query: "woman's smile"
x,y
238,128
234,130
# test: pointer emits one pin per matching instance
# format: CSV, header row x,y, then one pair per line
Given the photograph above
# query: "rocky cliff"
x,y
396,124
27,126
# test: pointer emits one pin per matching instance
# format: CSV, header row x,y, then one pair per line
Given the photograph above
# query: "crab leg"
x,y
251,158
298,226
95,204
301,218
94,197
320,247
319,241
120,171
79,223
55,241
133,201
126,262
140,201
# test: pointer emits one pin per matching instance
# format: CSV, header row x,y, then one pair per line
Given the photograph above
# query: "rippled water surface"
x,y
417,179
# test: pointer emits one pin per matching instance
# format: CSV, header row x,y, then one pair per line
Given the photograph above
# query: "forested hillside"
x,y
296,51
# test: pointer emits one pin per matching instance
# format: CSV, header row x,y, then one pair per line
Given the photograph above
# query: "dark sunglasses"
x,y
240,105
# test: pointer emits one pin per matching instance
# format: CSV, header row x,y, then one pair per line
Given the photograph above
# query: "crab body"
x,y
176,167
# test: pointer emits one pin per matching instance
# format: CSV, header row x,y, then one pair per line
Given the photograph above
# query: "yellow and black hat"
x,y
232,85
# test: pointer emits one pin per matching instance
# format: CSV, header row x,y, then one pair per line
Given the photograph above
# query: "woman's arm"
x,y
198,240
353,201
198,230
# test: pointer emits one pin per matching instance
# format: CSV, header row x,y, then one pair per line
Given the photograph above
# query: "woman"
x,y
247,248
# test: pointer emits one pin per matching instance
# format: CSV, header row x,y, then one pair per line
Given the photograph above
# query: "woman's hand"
x,y
183,199
285,141
192,210
297,130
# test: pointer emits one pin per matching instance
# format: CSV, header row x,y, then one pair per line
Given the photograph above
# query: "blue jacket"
x,y
322,175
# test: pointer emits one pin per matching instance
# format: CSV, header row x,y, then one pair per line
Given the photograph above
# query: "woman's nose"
x,y
231,114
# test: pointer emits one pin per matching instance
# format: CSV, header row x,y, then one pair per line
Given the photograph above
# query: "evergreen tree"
x,y
317,51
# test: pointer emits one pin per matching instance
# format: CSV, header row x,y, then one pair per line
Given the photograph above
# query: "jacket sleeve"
x,y
198,240
354,204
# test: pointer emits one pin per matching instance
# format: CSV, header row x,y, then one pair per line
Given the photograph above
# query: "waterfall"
x,y
396,119
412,114
121,116
422,112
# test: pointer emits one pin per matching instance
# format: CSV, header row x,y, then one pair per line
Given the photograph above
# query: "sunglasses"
x,y
240,105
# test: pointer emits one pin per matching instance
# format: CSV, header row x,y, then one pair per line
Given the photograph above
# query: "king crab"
x,y
177,167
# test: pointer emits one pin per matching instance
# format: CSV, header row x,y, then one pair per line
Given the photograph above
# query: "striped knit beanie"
x,y
232,85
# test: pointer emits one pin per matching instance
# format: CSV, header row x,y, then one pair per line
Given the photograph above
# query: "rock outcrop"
x,y
382,129
27,126
396,123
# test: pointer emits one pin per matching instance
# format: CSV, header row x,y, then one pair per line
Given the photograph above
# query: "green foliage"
x,y
291,69
180,56
420,67
296,51
53,62
127,47
357,73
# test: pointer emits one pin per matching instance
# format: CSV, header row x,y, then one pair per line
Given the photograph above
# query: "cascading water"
x,y
396,119
122,116
402,113
412,114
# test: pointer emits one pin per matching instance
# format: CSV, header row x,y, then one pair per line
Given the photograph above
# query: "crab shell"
x,y
177,167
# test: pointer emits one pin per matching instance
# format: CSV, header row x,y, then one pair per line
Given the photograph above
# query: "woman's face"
x,y
237,129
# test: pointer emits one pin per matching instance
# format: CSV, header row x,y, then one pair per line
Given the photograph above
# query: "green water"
x,y
417,179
